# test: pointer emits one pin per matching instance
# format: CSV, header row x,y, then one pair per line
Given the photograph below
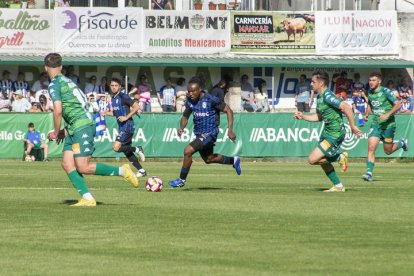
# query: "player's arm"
x,y
184,120
133,108
57,133
396,106
230,120
368,111
346,109
310,118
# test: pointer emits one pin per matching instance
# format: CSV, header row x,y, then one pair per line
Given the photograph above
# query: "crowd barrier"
x,y
258,135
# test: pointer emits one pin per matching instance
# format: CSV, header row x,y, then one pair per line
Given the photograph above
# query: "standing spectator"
x,y
104,103
406,106
247,94
39,87
20,104
261,96
7,86
22,85
72,76
167,96
218,90
35,108
91,88
45,104
304,95
359,105
342,86
33,140
390,86
357,86
144,94
181,90
93,107
103,87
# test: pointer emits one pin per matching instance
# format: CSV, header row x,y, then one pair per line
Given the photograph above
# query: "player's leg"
x,y
29,148
45,148
329,151
388,141
207,153
333,177
185,169
123,144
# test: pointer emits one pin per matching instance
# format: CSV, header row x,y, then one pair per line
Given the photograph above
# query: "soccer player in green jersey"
x,y
329,109
382,104
70,104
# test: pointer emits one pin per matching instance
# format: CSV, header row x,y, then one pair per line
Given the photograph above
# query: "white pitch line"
x,y
51,188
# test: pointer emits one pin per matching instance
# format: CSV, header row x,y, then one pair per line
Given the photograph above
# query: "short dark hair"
x,y
245,77
343,73
30,124
118,81
43,74
303,76
357,75
53,60
376,74
321,75
195,80
180,81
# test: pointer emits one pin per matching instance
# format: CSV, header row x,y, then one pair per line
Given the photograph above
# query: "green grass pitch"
x,y
272,220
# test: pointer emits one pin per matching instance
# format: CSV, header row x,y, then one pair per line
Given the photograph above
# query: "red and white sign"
x,y
356,33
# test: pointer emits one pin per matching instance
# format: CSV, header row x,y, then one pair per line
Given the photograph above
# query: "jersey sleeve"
x,y
390,96
55,91
218,104
331,100
126,100
188,110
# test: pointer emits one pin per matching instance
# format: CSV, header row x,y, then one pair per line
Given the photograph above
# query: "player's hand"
x,y
122,119
356,131
383,117
232,136
366,117
298,115
52,135
180,132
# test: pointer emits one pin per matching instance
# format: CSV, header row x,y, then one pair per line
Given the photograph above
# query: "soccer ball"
x,y
154,184
30,158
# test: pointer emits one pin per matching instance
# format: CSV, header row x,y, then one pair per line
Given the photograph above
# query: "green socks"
x,y
333,177
103,169
370,167
78,182
333,158
399,144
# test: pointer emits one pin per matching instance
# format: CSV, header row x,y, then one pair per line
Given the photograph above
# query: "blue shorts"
x,y
126,133
204,144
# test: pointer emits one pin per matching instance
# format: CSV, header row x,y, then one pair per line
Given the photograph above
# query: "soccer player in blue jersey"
x,y
123,108
205,109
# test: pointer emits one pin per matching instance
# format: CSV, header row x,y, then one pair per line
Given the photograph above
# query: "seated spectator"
x,y
143,94
390,86
406,106
405,89
181,98
35,108
45,104
247,94
167,96
218,90
342,86
71,75
33,140
40,86
91,87
357,86
261,96
304,95
20,104
103,87
5,103
22,85
129,87
7,85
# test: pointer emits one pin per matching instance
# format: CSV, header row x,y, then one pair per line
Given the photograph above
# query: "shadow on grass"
x,y
208,189
73,201
324,189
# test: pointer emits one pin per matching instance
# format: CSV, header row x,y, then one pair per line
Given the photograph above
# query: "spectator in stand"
x,y
390,86
33,140
35,108
359,102
261,96
143,95
247,94
406,106
357,86
167,96
104,103
181,90
45,104
22,85
20,104
161,5
7,85
39,87
71,75
103,87
304,95
92,88
218,90
5,104
93,107
130,87
404,90
342,86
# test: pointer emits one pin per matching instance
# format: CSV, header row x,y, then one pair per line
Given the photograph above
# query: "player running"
x,y
123,108
70,104
383,105
205,109
329,110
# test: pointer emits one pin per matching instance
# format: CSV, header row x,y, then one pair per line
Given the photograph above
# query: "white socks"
x,y
87,196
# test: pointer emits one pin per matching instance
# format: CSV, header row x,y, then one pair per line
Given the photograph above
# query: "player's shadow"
x,y
207,189
73,201
324,189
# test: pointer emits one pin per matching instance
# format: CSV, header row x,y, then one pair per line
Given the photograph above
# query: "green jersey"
x,y
382,102
327,108
74,112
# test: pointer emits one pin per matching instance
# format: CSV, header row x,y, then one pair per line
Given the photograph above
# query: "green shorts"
x,y
81,141
38,145
385,135
330,146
